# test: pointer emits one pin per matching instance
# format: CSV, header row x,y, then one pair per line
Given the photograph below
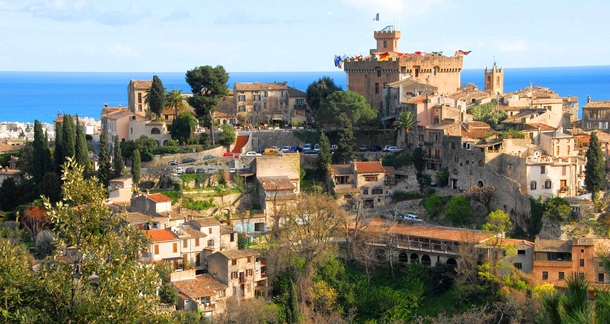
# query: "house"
x,y
278,178
298,111
363,181
262,102
129,126
151,204
200,293
557,260
136,96
144,221
228,238
120,189
164,246
242,270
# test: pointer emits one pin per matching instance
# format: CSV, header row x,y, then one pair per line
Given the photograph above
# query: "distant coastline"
x,y
26,96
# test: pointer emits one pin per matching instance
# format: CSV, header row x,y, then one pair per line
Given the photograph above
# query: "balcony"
x,y
303,106
553,264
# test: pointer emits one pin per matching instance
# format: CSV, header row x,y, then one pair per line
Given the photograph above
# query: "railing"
x,y
167,307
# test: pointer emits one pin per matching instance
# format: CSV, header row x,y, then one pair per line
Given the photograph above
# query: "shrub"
x,y
397,160
168,294
433,205
400,195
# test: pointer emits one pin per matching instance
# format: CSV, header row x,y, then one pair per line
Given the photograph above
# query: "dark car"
x,y
189,160
362,148
190,170
173,163
200,170
296,149
375,148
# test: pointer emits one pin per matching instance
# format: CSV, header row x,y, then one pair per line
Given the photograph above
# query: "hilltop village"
x,y
263,201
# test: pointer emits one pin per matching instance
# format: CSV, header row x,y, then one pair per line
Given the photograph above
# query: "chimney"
x,y
588,99
105,105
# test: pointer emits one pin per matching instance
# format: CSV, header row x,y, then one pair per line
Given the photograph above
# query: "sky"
x,y
293,36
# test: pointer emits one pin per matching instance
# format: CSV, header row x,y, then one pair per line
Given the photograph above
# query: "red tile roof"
x,y
141,84
276,183
439,233
202,286
158,198
389,170
163,235
370,167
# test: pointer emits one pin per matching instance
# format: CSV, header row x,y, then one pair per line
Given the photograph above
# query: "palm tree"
x,y
174,99
406,120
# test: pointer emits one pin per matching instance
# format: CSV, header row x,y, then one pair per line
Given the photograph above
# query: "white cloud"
x,y
329,13
121,51
393,8
511,46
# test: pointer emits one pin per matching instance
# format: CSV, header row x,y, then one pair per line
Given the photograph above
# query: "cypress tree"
x,y
69,137
38,167
81,150
47,162
293,305
103,172
156,96
135,167
324,157
58,156
595,169
345,153
117,163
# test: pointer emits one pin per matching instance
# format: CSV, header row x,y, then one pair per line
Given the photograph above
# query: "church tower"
x,y
494,80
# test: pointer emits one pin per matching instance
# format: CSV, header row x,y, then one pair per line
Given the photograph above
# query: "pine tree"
x,y
68,137
103,172
81,150
324,156
58,156
117,163
135,167
345,153
595,169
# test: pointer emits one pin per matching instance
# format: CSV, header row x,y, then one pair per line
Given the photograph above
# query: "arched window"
x,y
425,260
480,183
414,258
155,130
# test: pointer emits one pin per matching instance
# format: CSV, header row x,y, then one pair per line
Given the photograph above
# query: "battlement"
x,y
426,60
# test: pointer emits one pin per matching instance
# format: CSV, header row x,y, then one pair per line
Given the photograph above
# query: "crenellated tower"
x,y
494,80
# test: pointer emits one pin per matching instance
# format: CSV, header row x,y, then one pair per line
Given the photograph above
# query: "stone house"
x,y
242,270
129,126
262,102
278,181
596,115
365,182
152,204
200,293
298,110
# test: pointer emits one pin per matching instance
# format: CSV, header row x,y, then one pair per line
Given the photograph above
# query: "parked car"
x,y
208,157
231,154
375,148
296,148
189,170
307,147
189,160
385,148
211,169
179,170
333,148
286,149
394,149
200,170
316,148
413,218
173,163
363,148
232,170
252,153
271,151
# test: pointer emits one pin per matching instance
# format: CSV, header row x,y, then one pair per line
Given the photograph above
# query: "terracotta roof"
x,y
226,229
158,197
111,110
239,254
260,86
141,84
206,222
276,183
416,100
119,114
347,190
597,104
341,169
136,217
192,232
542,245
389,170
202,286
543,127
370,167
515,242
439,233
163,235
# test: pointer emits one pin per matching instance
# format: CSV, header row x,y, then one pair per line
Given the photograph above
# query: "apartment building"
x,y
242,270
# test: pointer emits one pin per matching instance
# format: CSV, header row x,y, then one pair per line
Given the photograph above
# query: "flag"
x,y
384,57
418,53
376,17
337,60
437,53
466,52
339,65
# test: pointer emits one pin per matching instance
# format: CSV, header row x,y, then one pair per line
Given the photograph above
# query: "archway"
x,y
425,260
403,257
451,262
155,131
480,183
414,258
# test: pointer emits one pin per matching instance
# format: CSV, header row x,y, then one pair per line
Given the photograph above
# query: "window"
x,y
379,73
234,262
376,87
155,130
600,277
547,184
377,191
139,97
545,275
234,275
385,43
175,247
365,191
131,130
210,230
562,275
299,103
232,237
456,159
533,185
156,249
196,241
370,178
210,242
520,252
257,97
453,146
582,262
249,259
542,169
140,107
518,266
241,108
510,167
185,243
241,98
249,272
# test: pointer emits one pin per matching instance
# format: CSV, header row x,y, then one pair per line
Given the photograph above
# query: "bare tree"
x,y
483,195
159,174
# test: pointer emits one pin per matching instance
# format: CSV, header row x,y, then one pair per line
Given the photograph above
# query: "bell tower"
x,y
494,80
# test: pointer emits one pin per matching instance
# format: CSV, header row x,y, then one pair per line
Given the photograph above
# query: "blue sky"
x,y
287,35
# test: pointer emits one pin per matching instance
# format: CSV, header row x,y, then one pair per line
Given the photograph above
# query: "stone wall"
x,y
165,159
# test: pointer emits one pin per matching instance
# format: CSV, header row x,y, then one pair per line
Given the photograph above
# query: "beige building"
x,y
202,293
136,96
262,102
298,110
369,75
368,183
596,115
242,270
129,126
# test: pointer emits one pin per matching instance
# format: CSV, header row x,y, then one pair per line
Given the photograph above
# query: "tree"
x,y
557,208
96,244
81,149
324,156
117,163
156,97
458,210
135,167
183,127
348,103
103,172
345,152
487,113
40,160
8,200
571,305
317,91
498,222
227,137
58,155
50,187
595,167
209,86
68,145
418,159
175,100
483,195
168,294
406,120
442,176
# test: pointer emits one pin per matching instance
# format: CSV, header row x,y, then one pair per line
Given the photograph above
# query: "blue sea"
x,y
26,96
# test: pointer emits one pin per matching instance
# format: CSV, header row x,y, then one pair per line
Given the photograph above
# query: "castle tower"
x,y
369,75
494,80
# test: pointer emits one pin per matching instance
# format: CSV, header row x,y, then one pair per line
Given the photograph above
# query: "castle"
x,y
370,74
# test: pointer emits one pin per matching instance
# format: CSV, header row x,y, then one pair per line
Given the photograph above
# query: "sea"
x,y
29,96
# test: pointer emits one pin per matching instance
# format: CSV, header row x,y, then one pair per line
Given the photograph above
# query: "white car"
x,y
413,218
394,149
179,170
252,153
285,149
232,170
